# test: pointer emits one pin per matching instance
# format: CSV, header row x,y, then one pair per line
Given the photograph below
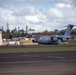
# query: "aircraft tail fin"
x,y
69,29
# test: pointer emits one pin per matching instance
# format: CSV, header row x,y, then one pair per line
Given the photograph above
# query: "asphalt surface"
x,y
49,63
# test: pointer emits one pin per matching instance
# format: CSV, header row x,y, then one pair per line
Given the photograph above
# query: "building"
x,y
0,36
5,35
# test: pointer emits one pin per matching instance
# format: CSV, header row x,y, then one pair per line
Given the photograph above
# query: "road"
x,y
49,63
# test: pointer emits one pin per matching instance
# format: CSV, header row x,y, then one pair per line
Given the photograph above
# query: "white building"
x,y
0,36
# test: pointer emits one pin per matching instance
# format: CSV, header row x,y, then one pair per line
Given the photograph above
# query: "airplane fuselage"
x,y
55,39
51,39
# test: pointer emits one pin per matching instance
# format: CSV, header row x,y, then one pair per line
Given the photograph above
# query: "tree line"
x,y
22,32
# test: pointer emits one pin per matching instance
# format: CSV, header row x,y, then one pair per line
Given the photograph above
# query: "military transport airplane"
x,y
55,39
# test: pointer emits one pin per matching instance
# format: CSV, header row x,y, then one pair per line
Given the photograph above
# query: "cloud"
x,y
56,13
62,12
36,17
22,11
32,18
43,1
62,5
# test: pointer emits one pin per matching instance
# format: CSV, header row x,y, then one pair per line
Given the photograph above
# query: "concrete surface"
x,y
50,63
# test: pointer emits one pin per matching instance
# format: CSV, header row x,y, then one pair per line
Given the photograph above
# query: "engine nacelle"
x,y
34,40
64,39
54,39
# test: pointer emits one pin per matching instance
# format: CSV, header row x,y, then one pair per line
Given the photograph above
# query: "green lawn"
x,y
45,49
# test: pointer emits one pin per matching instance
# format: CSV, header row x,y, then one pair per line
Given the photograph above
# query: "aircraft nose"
x,y
34,40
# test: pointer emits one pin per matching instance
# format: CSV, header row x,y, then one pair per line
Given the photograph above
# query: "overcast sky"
x,y
37,14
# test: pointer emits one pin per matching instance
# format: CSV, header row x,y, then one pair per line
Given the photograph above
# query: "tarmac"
x,y
49,63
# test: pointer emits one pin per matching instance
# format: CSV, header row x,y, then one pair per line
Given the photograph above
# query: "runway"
x,y
49,63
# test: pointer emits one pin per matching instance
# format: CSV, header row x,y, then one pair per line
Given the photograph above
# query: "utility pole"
x,y
18,31
8,28
26,29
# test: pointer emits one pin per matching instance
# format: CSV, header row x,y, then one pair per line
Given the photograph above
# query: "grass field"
x,y
39,48
26,50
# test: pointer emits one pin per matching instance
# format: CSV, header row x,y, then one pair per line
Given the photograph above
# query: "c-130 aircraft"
x,y
55,39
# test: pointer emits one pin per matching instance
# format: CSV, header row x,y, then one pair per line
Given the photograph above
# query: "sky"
x,y
37,14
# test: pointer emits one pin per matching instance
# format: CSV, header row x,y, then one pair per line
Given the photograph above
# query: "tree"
x,y
11,36
31,30
62,32
45,31
14,32
21,32
8,30
74,31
